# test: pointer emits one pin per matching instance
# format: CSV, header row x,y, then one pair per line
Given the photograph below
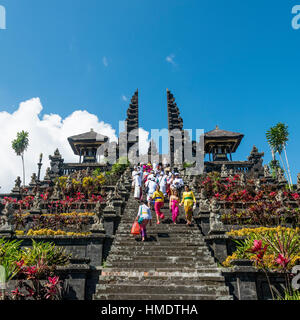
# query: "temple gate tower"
x,y
130,136
175,123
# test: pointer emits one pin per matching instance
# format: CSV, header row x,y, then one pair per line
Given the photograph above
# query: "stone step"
x,y
156,244
185,278
174,264
162,238
164,259
164,231
157,252
172,288
154,265
161,272
125,296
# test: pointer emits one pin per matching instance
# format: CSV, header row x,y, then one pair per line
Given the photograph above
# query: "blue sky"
x,y
232,63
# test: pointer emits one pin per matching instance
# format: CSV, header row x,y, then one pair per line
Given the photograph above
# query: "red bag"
x,y
135,228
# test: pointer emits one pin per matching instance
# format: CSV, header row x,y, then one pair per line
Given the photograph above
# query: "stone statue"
x,y
56,163
7,212
109,197
280,196
98,218
18,183
79,176
231,173
56,191
17,187
267,173
204,204
33,179
69,183
116,195
120,186
37,202
216,225
257,185
224,171
47,174
243,180
280,176
298,182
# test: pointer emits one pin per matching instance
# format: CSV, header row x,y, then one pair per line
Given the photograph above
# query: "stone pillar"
x,y
216,225
218,244
110,220
245,283
203,219
94,250
118,206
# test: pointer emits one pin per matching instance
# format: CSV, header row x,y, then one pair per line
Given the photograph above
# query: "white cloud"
x,y
105,61
124,98
45,135
170,59
143,141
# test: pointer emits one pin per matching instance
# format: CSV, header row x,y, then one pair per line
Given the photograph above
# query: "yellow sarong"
x,y
188,199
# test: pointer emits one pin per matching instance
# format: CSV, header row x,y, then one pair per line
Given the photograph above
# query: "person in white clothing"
x,y
163,183
178,183
137,185
133,174
151,187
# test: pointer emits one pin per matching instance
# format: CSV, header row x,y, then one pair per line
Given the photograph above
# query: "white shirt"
x,y
137,180
163,180
178,182
152,186
144,212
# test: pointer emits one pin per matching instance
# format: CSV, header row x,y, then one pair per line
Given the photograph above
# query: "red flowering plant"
x,y
30,267
272,195
30,285
295,196
271,249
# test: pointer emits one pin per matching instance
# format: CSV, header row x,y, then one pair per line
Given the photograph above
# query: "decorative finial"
x,y
217,127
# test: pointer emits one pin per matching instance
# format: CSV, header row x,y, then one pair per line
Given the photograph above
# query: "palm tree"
x,y
277,138
20,145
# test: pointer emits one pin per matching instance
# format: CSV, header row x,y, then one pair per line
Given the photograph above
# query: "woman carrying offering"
x,y
189,201
173,205
143,218
159,199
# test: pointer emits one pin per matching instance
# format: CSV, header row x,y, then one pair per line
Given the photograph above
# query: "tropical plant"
x,y
120,166
20,145
293,295
277,138
48,252
10,253
270,249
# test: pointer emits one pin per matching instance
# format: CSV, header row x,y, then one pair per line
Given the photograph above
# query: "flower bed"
x,y
272,248
30,266
49,232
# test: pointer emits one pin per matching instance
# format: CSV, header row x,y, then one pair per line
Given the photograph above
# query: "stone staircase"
x,y
175,264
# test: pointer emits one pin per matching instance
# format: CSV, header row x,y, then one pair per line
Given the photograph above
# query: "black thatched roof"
x,y
87,137
216,133
219,137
